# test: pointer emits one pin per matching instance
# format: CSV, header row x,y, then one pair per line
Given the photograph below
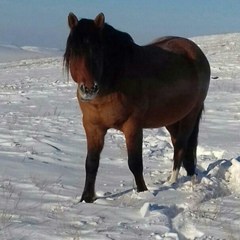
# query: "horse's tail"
x,y
191,154
194,134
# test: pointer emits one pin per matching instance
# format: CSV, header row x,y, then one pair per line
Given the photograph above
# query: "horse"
x,y
128,87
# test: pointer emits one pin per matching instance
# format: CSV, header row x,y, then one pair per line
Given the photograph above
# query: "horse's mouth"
x,y
85,99
87,95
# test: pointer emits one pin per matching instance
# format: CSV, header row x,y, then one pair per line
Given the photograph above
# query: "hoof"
x,y
194,179
88,198
142,189
171,181
174,176
169,184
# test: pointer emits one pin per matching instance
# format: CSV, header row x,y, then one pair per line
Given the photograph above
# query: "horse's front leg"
x,y
134,138
95,141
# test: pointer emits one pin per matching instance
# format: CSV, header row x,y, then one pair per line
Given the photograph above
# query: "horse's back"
x,y
184,46
179,45
189,49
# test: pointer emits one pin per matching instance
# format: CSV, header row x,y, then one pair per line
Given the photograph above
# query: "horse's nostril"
x,y
82,88
95,88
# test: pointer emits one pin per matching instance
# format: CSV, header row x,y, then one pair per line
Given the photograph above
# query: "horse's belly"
x,y
164,114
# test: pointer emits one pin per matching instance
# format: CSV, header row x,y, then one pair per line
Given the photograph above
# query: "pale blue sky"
x,y
44,22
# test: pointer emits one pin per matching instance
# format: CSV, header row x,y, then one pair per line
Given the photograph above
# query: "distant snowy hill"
x,y
43,150
12,53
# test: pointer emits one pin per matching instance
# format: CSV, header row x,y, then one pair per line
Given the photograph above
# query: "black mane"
x,y
114,42
112,34
118,47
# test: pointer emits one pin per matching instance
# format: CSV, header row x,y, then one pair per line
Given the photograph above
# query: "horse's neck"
x,y
116,56
119,52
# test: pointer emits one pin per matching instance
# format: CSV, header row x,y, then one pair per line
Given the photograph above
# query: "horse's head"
x,y
84,54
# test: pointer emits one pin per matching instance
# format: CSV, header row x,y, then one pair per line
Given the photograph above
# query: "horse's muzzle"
x,y
88,94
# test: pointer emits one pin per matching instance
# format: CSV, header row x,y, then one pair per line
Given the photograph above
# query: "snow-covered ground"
x,y
43,148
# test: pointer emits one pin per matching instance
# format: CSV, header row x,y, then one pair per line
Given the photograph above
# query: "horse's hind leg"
x,y
173,130
184,134
134,136
190,159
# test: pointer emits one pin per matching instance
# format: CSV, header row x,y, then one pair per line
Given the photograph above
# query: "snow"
x,y
43,149
11,53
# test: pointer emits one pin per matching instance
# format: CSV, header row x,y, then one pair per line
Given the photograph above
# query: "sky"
x,y
44,23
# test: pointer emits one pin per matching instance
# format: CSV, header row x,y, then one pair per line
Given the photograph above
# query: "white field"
x,y
43,149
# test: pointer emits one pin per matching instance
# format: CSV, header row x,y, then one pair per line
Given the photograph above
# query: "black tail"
x,y
190,159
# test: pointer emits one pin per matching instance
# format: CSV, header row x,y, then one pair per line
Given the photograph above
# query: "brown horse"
x,y
128,87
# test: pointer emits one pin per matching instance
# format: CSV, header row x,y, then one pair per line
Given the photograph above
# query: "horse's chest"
x,y
110,115
114,115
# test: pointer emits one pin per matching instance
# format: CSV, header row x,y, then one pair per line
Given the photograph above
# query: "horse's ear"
x,y
72,21
100,20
